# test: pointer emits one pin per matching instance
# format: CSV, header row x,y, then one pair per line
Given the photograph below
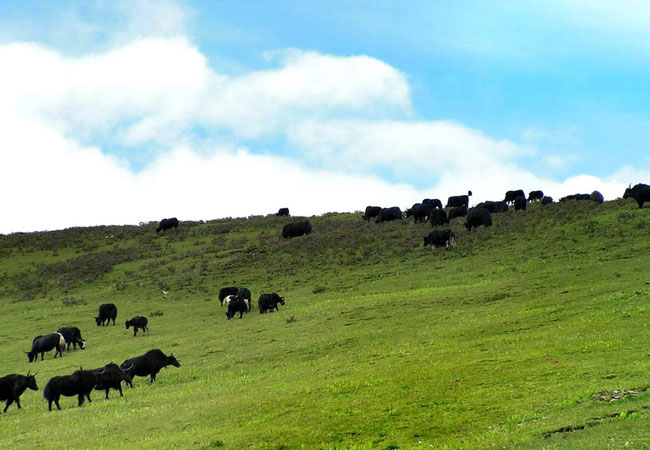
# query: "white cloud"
x,y
155,89
58,184
424,147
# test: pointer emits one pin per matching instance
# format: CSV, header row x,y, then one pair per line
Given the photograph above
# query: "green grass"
x,y
517,337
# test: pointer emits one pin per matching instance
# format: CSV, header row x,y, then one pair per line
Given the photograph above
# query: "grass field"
x,y
530,334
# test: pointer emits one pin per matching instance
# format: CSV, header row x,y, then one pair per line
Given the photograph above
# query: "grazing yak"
x,y
458,200
42,344
283,212
236,305
520,204
640,193
420,212
138,322
296,229
534,196
80,383
72,336
511,196
438,217
110,377
371,212
167,224
107,312
458,211
389,214
597,197
12,387
269,302
477,217
576,197
493,207
547,200
245,295
433,202
225,292
227,300
440,238
149,364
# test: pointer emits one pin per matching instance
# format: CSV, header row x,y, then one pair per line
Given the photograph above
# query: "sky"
x,y
121,112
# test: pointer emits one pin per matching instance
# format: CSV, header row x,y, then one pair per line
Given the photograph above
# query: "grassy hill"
x,y
533,333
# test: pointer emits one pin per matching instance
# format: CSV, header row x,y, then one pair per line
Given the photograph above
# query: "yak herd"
x,y
82,382
432,211
238,300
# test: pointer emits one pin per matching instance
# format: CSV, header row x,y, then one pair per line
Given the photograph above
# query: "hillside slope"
x,y
530,333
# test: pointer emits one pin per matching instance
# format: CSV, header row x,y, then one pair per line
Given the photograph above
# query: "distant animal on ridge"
x,y
371,212
296,229
107,312
458,211
283,212
494,207
477,217
420,212
597,197
575,197
640,192
511,196
436,203
458,200
520,204
440,238
534,196
547,200
167,224
438,217
389,214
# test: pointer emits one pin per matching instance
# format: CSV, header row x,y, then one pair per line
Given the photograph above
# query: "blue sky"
x,y
393,100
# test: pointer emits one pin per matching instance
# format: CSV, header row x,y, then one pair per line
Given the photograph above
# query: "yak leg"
x,y
17,402
9,402
107,393
80,399
119,386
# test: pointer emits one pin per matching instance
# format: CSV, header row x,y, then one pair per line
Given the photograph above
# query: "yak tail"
x,y
61,340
